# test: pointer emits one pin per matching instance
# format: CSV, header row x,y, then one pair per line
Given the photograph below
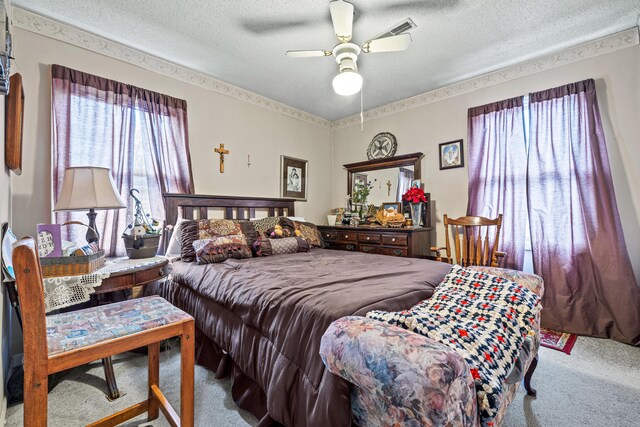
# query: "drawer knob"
x,y
393,240
346,236
368,238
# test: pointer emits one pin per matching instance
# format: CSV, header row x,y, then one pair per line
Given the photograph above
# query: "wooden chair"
x,y
472,244
62,341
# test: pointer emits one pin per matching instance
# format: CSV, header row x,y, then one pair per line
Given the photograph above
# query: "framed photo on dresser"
x,y
293,178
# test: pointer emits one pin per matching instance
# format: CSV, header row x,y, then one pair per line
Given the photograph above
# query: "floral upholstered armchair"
x,y
402,378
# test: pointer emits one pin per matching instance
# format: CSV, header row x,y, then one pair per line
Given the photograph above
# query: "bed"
x,y
260,320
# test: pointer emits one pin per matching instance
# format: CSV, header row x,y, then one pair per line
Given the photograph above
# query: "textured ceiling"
x,y
243,42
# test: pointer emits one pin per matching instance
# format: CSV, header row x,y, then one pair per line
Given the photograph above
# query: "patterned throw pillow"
x,y
289,245
485,318
221,248
310,233
189,235
211,229
263,224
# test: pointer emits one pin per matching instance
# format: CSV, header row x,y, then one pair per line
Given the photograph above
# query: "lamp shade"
x,y
88,187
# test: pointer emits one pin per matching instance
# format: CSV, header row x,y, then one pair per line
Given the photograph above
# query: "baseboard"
x,y
3,411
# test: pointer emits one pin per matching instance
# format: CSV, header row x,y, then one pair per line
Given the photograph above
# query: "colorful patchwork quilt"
x,y
485,318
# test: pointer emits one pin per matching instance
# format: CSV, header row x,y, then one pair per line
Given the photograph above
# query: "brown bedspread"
x,y
269,313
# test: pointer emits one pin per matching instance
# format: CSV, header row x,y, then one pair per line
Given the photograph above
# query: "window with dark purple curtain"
x,y
578,245
139,134
497,172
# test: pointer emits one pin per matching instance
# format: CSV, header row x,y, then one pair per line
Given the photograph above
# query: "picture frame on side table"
x,y
293,178
451,155
395,205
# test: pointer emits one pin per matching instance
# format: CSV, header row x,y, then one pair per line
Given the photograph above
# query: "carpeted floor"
x,y
598,385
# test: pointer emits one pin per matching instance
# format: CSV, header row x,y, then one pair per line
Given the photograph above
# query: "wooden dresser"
x,y
403,242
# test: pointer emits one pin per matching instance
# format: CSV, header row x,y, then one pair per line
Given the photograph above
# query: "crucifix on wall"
x,y
222,153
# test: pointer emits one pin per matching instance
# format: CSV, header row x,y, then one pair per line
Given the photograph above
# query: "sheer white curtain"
x,y
140,135
405,176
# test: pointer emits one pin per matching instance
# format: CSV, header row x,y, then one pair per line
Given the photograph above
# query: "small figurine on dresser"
x,y
142,236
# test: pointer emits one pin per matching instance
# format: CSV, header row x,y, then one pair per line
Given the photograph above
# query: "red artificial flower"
x,y
414,195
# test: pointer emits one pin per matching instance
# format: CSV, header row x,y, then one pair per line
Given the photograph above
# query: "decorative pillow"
x,y
290,245
310,233
221,248
263,224
175,243
283,230
189,235
210,229
485,318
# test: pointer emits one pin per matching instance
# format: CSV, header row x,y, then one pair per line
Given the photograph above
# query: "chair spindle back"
x,y
474,240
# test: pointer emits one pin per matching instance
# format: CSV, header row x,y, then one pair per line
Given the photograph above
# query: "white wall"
x,y
245,129
617,77
5,216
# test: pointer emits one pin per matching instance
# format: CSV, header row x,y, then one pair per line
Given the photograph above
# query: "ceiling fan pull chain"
x,y
361,109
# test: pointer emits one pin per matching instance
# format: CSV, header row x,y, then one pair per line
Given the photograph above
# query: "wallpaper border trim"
x,y
52,28
49,27
604,45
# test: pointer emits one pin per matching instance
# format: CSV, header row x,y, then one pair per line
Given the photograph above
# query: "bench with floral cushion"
x,y
404,378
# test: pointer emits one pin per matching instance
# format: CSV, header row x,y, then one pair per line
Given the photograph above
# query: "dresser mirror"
x,y
388,177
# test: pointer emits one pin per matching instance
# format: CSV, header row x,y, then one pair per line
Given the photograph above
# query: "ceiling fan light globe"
x,y
347,83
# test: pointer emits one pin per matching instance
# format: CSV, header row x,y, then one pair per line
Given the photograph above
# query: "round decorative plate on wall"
x,y
382,145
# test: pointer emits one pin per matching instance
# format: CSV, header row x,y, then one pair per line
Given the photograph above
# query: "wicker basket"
x,y
72,265
148,249
396,224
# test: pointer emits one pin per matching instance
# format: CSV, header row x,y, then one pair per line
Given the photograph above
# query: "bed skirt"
x,y
246,393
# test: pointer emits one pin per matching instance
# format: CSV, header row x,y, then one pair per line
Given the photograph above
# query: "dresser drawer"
x,y
393,251
330,235
370,249
348,236
394,239
368,238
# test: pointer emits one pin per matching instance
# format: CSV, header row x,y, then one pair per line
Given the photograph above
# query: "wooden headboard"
x,y
233,207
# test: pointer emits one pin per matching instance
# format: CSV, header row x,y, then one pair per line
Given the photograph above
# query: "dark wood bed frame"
x,y
196,206
235,207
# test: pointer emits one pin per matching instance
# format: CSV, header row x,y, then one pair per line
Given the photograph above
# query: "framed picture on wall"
x,y
293,178
451,155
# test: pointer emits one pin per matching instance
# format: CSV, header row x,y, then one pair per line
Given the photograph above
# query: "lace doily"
x,y
61,292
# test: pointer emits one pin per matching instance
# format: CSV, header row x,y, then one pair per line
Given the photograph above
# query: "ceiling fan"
x,y
349,81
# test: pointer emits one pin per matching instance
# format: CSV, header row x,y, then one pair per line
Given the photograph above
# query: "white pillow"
x,y
297,218
176,239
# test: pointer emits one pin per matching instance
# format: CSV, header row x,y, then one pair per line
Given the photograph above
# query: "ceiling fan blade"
x,y
307,53
262,27
387,44
342,17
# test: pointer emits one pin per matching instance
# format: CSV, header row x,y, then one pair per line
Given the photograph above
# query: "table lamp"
x,y
88,187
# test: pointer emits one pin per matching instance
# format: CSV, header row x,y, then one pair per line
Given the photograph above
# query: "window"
x,y
141,136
